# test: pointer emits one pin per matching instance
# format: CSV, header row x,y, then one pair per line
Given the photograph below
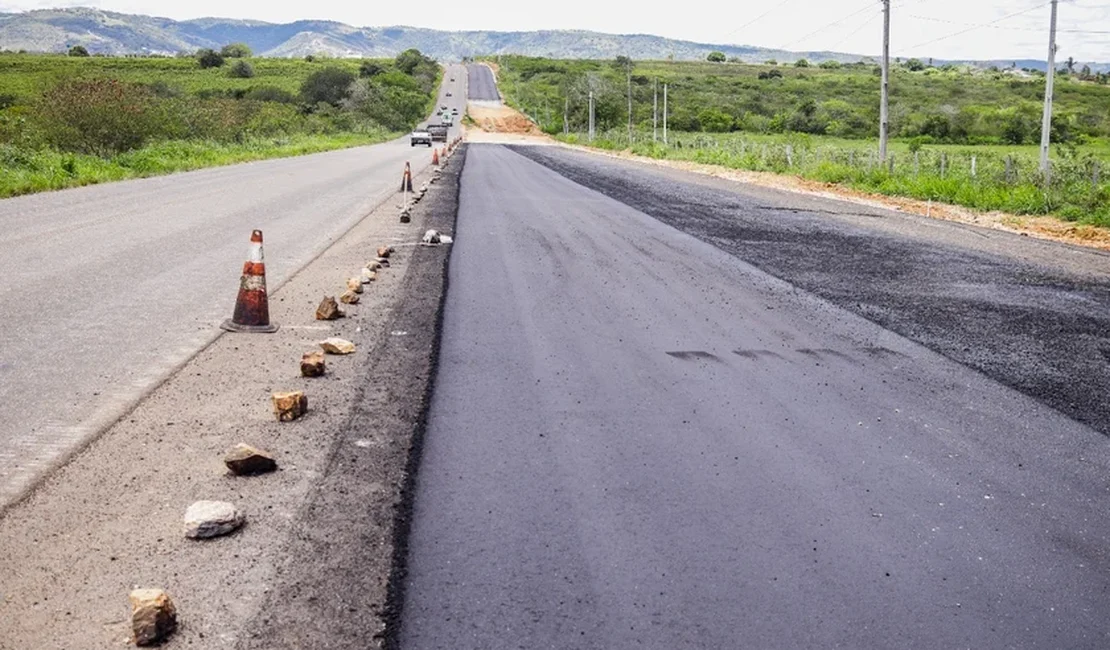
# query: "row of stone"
x,y
153,614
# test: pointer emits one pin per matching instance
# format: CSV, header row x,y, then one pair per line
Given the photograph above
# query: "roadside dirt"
x,y
111,519
1031,226
503,120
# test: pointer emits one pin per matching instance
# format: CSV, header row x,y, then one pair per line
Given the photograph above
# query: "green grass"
x,y
39,171
27,76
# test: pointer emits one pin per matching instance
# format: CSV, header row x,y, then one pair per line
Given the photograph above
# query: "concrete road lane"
x,y
483,87
107,289
639,440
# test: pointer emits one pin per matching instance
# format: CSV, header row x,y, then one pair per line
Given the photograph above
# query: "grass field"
x,y
26,76
70,121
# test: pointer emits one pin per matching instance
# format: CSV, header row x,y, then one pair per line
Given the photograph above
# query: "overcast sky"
x,y
919,28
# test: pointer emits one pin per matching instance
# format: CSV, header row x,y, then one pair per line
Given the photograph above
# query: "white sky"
x,y
919,27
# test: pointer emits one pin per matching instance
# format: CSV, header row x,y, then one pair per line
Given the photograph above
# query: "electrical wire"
x,y
975,27
856,30
757,18
869,5
1015,29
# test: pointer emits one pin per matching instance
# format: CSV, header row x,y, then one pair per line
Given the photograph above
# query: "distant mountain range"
x,y
105,32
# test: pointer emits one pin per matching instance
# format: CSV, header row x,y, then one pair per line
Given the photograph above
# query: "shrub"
x,y
99,116
78,50
716,57
328,86
771,74
241,70
801,63
236,51
209,58
714,120
269,94
368,69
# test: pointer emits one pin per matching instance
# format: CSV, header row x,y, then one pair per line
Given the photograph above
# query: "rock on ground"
x,y
205,519
245,460
153,617
313,364
290,406
329,309
337,346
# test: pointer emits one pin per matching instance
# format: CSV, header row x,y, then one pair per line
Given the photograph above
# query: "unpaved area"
x,y
489,123
111,519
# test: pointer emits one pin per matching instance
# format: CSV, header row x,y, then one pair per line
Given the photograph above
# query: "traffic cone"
x,y
406,180
252,307
435,157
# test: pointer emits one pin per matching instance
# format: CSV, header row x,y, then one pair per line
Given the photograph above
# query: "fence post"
x,y
1009,169
973,166
943,164
789,156
890,165
916,163
1094,175
852,158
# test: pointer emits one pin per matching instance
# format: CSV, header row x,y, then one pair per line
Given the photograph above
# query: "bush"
x,y
801,63
771,74
209,58
241,70
236,51
328,86
716,57
269,94
101,117
368,69
78,50
714,120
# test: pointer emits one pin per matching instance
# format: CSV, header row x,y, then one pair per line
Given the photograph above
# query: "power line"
x,y
869,5
857,30
757,18
1013,29
974,27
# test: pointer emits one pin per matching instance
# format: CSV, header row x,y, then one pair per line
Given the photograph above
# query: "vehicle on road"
x,y
448,93
438,132
420,136
448,119
454,111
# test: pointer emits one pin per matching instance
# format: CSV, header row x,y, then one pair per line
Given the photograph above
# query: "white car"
x,y
420,136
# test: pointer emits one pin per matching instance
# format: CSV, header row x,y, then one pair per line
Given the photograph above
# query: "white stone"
x,y
206,519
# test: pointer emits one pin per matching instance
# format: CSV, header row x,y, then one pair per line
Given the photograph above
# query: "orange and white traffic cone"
x,y
406,180
435,157
252,307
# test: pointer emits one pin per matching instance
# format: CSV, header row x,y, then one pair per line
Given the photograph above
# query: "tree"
x,y
1085,73
209,58
368,69
622,63
1071,65
772,62
801,63
915,65
78,50
830,65
236,51
328,86
241,70
716,57
714,120
408,60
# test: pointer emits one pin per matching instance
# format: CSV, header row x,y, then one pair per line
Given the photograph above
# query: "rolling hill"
x,y
105,32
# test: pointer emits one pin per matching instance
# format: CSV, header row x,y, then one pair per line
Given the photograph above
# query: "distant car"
x,y
448,119
438,131
448,93
420,136
443,108
452,78
454,111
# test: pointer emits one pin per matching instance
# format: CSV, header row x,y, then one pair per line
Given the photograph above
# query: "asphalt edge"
x,y
403,514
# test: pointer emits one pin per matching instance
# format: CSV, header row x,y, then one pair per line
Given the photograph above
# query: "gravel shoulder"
x,y
111,519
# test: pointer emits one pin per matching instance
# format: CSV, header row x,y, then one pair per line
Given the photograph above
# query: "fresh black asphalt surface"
x,y
482,86
729,425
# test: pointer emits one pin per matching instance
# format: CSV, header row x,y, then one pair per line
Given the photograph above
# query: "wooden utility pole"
x,y
884,106
1050,74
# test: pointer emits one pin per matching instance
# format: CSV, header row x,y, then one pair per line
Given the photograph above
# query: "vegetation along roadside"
x,y
962,136
75,120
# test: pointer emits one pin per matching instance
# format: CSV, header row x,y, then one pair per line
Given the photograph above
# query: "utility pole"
x,y
566,116
655,114
630,104
664,113
884,106
1046,123
591,116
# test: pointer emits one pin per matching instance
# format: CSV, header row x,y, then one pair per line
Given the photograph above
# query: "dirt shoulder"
x,y
111,519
